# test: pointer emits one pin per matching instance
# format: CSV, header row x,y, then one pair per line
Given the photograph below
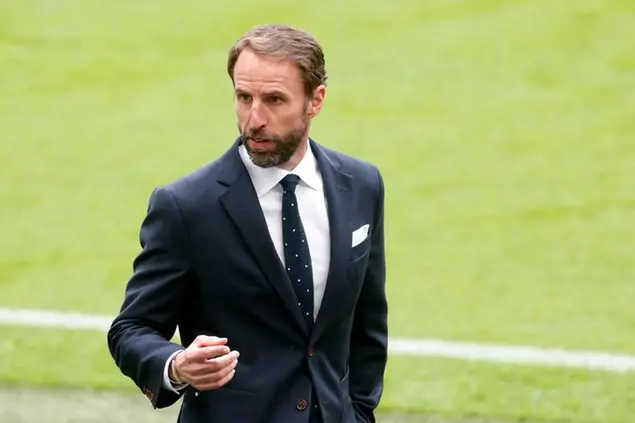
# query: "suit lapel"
x,y
242,205
337,189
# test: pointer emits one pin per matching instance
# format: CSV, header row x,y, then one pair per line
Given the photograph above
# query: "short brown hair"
x,y
284,41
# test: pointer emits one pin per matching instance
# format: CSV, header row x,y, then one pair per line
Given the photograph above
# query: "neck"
x,y
297,156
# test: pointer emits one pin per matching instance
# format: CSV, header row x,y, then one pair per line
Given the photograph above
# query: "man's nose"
x,y
257,118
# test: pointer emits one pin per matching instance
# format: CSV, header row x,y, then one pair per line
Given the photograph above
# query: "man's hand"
x,y
206,364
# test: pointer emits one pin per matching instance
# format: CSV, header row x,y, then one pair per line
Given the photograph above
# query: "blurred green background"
x,y
504,130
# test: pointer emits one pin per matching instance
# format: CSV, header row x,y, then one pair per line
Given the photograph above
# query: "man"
x,y
270,261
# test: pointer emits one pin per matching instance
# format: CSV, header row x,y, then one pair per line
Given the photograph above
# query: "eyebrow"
x,y
267,93
275,93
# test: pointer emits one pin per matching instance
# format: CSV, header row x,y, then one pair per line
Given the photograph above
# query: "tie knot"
x,y
289,182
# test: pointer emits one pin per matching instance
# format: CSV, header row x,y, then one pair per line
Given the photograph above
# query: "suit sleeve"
x,y
139,337
369,341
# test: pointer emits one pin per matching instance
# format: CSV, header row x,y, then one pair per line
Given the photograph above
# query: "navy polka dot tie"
x,y
296,249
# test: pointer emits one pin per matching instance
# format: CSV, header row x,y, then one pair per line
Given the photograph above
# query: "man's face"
x,y
273,110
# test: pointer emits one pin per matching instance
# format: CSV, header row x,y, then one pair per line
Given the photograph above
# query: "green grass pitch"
x,y
505,131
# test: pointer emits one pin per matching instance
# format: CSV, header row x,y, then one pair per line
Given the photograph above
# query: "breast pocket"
x,y
360,243
360,251
358,264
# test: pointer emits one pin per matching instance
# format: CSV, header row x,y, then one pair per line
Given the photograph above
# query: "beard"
x,y
285,145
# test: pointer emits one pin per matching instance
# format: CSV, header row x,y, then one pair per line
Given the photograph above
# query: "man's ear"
x,y
316,102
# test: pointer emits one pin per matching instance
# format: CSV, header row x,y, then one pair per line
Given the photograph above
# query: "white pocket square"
x,y
360,234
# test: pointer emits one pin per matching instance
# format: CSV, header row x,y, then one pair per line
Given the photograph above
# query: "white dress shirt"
x,y
313,212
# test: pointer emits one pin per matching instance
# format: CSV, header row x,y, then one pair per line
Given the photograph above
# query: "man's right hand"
x,y
206,364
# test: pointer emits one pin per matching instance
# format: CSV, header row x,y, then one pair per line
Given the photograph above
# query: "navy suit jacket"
x,y
208,266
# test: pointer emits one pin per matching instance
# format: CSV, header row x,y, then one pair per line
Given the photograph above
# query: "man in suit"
x,y
269,260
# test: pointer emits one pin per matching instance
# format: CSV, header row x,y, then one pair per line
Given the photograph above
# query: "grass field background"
x,y
504,129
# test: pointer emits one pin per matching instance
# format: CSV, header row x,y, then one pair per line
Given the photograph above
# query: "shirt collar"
x,y
264,179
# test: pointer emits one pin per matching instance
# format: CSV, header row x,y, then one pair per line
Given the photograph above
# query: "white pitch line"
x,y
412,347
53,319
514,354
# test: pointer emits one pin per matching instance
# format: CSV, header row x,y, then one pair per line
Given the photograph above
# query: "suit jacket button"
x,y
301,405
310,352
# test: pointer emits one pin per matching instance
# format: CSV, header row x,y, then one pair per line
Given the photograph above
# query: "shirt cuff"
x,y
167,383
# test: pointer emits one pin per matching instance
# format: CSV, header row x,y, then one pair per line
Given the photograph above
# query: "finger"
x,y
218,384
206,353
209,377
223,361
201,366
209,341
199,370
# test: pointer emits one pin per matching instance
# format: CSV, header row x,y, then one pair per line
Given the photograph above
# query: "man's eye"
x,y
275,99
244,97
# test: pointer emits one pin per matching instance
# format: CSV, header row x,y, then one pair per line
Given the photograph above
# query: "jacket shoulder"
x,y
197,187
360,169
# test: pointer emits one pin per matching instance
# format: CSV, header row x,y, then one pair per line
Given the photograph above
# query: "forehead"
x,y
253,71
